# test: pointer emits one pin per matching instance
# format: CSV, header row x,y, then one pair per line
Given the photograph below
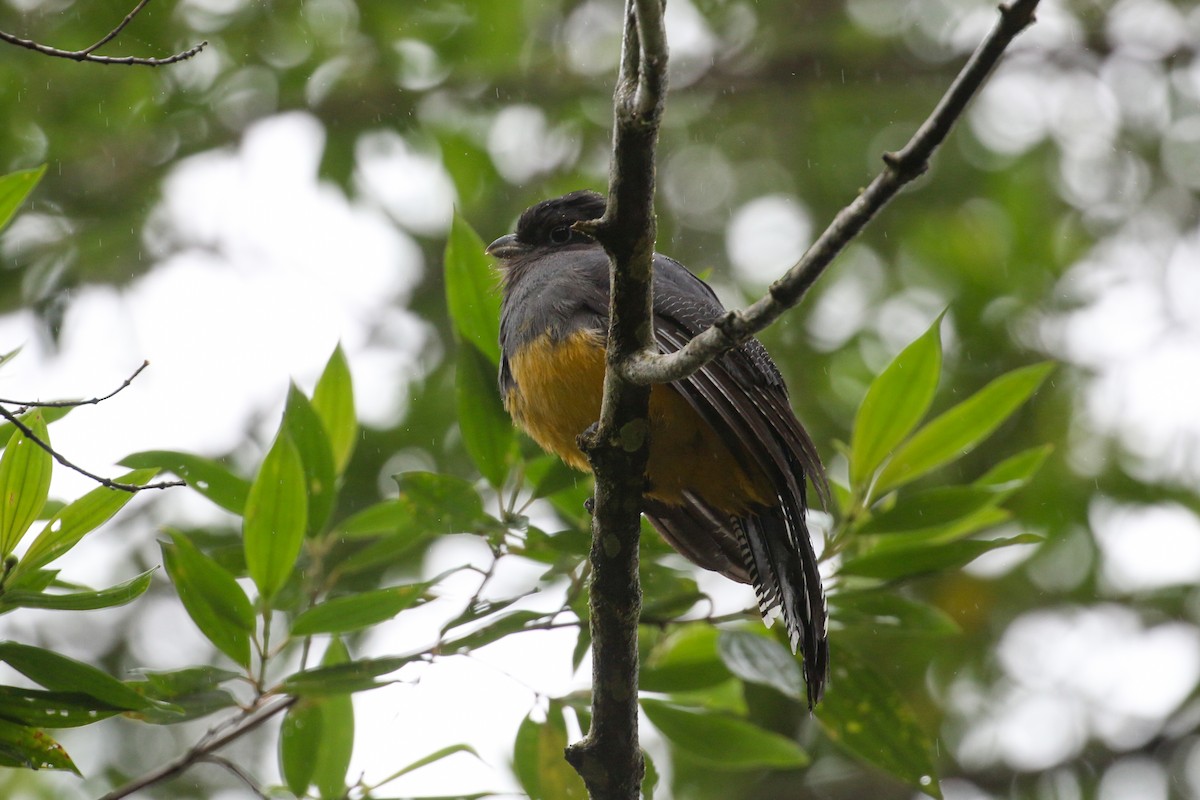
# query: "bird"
x,y
728,459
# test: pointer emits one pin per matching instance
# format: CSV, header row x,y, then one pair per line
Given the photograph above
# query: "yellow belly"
x,y
559,386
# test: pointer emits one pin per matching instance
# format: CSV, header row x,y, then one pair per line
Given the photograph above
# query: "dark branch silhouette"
x,y
204,750
25,405
609,758
88,53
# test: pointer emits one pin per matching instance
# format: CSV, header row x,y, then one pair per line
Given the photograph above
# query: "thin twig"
x,y
899,169
28,404
60,458
202,751
87,54
237,772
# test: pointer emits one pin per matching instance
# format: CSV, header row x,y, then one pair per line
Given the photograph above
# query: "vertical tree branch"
x,y
609,758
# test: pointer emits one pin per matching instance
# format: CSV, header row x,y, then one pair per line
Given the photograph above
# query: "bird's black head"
x,y
548,224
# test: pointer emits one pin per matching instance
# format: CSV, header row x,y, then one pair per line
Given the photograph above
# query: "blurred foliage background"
x,y
1060,220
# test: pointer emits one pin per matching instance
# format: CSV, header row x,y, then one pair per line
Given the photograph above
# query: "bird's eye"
x,y
561,234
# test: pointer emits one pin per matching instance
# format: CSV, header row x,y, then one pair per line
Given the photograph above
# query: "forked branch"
x,y
89,53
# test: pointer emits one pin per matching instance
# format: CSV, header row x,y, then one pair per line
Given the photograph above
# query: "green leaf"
x,y
52,709
337,732
429,505
117,595
538,758
333,400
1014,472
194,691
932,508
723,742
893,563
957,431
895,402
25,471
61,674
668,592
761,659
650,779
865,715
433,757
356,676
307,432
22,746
14,188
427,501
885,612
276,517
300,745
501,626
208,477
343,614
472,290
50,414
211,596
73,521
486,429
685,660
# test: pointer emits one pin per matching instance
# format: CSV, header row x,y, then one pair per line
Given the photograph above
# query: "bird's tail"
x,y
783,569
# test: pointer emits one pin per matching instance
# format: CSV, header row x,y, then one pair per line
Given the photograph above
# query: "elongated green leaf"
x,y
958,430
211,596
50,414
45,709
206,476
73,521
429,505
903,562
182,682
194,691
723,742
685,660
503,625
1014,472
24,482
538,758
22,746
486,430
885,612
333,400
433,757
344,614
307,432
895,403
276,517
300,745
932,508
866,716
428,501
14,188
317,738
337,732
61,674
761,659
472,290
117,595
356,676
